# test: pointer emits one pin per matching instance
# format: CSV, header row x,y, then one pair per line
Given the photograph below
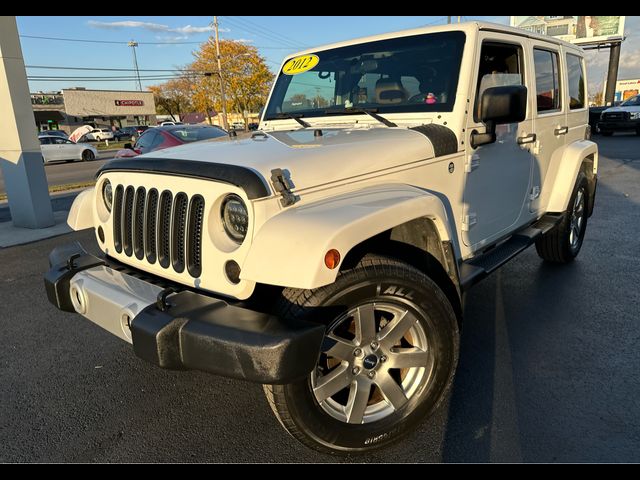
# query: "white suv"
x,y
327,255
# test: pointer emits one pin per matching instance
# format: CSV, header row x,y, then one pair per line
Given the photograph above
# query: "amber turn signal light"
x,y
332,259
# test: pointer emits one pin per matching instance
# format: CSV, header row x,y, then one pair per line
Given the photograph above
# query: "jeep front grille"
x,y
159,227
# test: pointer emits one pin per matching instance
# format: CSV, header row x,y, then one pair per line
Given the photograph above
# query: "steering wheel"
x,y
419,98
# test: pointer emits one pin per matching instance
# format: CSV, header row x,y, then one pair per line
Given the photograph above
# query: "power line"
x,y
273,32
47,67
118,42
262,32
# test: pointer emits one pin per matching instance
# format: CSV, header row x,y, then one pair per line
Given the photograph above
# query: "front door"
x,y
497,175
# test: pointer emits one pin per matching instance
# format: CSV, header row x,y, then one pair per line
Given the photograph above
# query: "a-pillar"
x,y
20,155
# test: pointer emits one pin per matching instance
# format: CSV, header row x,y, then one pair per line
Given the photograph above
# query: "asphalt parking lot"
x,y
548,368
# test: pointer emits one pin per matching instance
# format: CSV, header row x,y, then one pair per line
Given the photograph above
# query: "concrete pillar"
x,y
20,155
612,73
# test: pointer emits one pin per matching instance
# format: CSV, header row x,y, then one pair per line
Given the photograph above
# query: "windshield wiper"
x,y
355,110
297,118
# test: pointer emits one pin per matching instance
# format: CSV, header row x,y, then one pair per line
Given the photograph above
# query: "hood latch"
x,y
282,183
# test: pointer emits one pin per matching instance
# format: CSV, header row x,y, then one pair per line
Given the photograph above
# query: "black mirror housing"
x,y
502,105
498,106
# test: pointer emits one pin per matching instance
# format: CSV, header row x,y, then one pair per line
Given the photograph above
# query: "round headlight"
x,y
107,194
235,218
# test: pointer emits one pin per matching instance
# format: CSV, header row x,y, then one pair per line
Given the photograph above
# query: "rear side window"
x,y
546,65
576,82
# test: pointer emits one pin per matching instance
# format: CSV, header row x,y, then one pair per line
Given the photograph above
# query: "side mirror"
x,y
128,146
499,106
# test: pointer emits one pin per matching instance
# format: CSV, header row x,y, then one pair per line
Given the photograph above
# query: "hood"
x,y
311,160
623,108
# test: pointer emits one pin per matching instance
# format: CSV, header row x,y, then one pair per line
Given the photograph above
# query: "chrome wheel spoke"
x,y
338,347
408,357
357,402
331,383
391,391
365,323
395,330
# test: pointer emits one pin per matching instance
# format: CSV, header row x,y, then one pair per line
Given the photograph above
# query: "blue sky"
x,y
275,37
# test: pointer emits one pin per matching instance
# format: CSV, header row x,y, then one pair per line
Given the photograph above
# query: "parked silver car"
x,y
57,148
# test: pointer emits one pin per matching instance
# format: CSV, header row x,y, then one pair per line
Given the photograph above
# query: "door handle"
x,y
561,131
527,139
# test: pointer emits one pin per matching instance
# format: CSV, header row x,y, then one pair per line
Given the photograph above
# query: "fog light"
x,y
232,270
101,234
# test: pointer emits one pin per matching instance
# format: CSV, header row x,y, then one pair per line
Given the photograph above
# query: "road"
x,y
548,367
71,172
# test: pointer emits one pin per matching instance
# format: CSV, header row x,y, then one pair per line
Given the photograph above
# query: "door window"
x,y
546,66
500,65
146,140
576,82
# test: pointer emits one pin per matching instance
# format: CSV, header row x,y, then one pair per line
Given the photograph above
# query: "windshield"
x,y
633,101
407,74
196,134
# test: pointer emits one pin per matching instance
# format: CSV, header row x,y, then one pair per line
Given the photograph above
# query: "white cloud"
x,y
243,40
154,27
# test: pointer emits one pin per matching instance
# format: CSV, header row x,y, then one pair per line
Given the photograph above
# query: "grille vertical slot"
x,y
194,236
138,226
117,219
151,221
164,229
127,221
178,232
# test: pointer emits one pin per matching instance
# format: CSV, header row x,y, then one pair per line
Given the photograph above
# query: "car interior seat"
x,y
389,91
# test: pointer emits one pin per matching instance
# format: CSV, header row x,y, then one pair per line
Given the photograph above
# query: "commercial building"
x,y
74,107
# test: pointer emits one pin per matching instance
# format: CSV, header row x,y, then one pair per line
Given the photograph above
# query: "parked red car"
x,y
159,138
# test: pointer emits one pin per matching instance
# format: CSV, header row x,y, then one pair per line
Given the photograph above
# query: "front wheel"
x,y
388,358
87,156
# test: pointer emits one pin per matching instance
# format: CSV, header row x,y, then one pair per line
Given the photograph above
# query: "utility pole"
x,y
133,46
458,19
222,95
449,19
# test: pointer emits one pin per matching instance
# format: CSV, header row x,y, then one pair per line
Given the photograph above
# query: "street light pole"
x,y
222,95
133,46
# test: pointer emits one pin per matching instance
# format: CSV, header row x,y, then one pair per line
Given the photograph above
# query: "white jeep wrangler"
x,y
327,255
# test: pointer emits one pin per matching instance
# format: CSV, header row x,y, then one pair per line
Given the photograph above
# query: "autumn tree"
x,y
244,71
174,97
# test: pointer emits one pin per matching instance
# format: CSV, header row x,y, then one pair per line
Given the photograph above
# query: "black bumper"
x,y
623,125
188,330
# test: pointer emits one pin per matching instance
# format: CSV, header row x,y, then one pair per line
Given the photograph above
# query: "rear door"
x,y
550,116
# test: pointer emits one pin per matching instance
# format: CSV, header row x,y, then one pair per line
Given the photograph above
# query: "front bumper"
x,y
617,126
181,329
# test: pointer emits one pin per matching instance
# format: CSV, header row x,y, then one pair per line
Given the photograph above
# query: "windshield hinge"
x,y
282,183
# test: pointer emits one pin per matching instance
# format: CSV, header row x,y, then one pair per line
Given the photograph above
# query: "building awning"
x,y
45,115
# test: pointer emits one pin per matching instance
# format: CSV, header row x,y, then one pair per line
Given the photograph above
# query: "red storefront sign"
x,y
129,103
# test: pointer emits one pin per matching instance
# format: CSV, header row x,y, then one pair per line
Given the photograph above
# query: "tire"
x,y
87,156
605,133
563,243
401,391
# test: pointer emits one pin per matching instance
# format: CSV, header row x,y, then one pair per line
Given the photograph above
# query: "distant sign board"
x,y
129,103
626,89
579,30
